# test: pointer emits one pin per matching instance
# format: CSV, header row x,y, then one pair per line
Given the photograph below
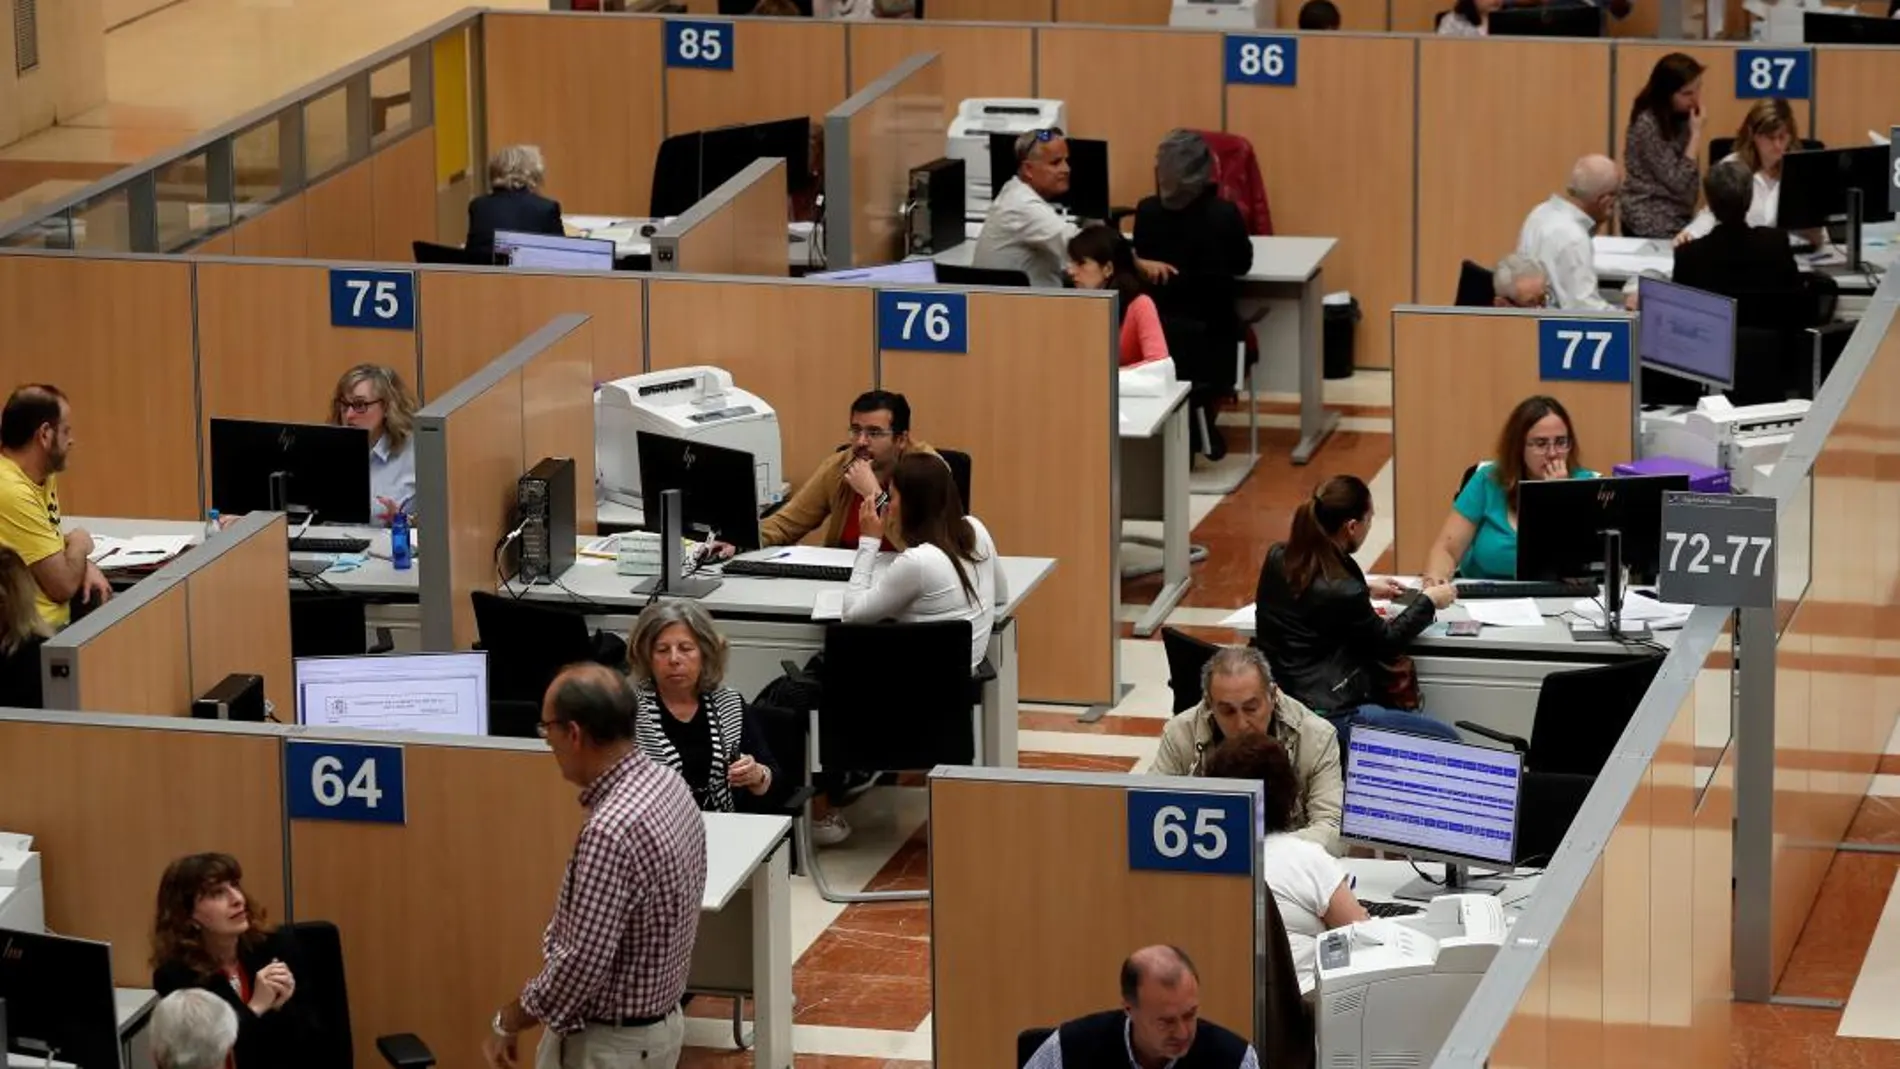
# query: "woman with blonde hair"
x,y
687,719
376,399
1768,133
22,630
513,201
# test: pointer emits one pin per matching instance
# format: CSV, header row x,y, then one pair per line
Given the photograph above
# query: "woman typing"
x,y
687,719
1479,539
376,399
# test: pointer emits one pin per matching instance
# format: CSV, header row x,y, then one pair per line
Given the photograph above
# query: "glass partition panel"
x,y
104,223
391,112
326,133
186,208
257,157
53,233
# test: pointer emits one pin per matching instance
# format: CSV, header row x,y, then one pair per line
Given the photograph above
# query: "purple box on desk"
x,y
1701,480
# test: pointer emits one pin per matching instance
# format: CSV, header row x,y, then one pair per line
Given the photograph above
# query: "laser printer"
x,y
1223,14
969,138
1390,989
699,404
22,901
1718,434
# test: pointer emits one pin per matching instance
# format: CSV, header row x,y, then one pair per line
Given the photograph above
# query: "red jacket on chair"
x,y
1237,173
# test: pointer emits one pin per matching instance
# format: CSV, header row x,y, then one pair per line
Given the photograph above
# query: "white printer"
x,y
1390,990
699,404
1223,14
22,901
1717,434
969,139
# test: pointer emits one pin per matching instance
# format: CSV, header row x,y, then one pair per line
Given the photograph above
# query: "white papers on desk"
x,y
1505,612
1629,257
141,552
1240,619
828,605
1637,608
825,556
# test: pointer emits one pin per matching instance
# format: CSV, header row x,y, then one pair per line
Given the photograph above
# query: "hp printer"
x,y
969,139
699,404
22,901
1717,434
1223,14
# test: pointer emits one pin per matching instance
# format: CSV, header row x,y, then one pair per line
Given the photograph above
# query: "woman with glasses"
x,y
376,399
1479,539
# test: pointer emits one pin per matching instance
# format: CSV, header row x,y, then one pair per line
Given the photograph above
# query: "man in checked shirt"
x,y
617,950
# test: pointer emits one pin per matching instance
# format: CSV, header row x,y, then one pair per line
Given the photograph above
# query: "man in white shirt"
x,y
1557,232
1023,232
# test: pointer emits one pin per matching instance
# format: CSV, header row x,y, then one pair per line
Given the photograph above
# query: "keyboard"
x,y
1492,589
319,544
769,569
1390,909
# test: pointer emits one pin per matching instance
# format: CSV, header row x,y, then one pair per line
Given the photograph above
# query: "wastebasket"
x,y
1341,317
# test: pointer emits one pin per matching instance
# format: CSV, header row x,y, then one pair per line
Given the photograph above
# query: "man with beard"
x,y
879,434
36,433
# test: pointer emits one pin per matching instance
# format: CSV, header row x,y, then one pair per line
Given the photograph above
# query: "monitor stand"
x,y
1613,629
1856,201
280,500
1458,881
670,582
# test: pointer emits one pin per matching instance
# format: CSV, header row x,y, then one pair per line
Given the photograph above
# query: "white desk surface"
x,y
376,575
1553,636
1142,417
624,232
1379,879
1617,259
736,845
133,1003
1289,259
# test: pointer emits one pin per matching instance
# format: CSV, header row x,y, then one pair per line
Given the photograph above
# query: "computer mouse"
x,y
647,230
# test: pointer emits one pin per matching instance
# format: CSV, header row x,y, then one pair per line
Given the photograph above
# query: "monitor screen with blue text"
x,y
554,253
1432,797
1686,332
441,693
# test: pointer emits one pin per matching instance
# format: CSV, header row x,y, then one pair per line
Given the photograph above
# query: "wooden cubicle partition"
x,y
781,69
990,11
1456,375
1412,16
1854,91
806,347
369,210
1116,12
977,61
473,444
1033,906
1361,155
130,656
737,229
1635,60
1498,131
465,311
110,801
115,334
277,231
1001,406
871,143
587,89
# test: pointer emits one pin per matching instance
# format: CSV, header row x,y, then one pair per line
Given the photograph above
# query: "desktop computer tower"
x,y
544,500
935,205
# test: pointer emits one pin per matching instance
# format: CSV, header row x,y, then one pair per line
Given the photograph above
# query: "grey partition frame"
x,y
434,564
59,657
666,240
838,191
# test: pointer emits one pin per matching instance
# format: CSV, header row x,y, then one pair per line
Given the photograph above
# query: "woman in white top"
x,y
1308,884
1767,133
950,571
1468,18
376,399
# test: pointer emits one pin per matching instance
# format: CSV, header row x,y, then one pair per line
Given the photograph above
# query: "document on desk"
x,y
1637,608
1505,612
145,550
829,604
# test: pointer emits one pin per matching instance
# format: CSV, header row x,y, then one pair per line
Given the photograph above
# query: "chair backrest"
x,y
1475,289
953,275
321,984
959,464
1187,655
328,625
1581,714
1237,174
527,644
1464,480
1028,1042
1547,803
428,252
896,697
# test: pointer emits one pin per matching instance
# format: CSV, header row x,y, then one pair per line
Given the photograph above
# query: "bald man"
x,y
1557,233
1158,1026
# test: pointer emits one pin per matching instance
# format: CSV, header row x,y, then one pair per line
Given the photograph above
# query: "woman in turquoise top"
x,y
1480,535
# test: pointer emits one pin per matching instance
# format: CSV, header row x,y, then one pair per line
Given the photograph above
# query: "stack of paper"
x,y
141,552
1505,612
1638,608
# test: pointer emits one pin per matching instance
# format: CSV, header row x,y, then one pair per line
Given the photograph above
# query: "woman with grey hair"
x,y
687,718
192,1029
513,201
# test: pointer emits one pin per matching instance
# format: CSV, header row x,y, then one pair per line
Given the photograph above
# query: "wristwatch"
x,y
499,1028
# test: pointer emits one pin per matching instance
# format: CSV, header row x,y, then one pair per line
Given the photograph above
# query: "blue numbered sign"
x,y
1594,350
930,322
1253,60
1186,831
384,299
704,45
1787,73
344,781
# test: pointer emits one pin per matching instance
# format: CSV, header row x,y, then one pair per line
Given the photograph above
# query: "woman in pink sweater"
x,y
1101,259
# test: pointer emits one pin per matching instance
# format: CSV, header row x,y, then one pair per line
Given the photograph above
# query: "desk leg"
x,y
1000,699
1316,422
1175,574
772,961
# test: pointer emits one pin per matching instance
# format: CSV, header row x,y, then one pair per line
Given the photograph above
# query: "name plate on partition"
x,y
1717,549
926,322
1257,60
1186,831
703,45
1591,350
382,299
1787,73
349,781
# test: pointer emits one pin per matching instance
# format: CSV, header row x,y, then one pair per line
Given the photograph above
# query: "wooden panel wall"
x,y
1065,654
557,414
1415,16
781,69
403,195
277,231
1487,362
977,61
484,446
991,11
339,215
542,81
744,236
1854,89
1482,165
901,129
1724,112
142,663
106,808
76,324
240,619
1361,155
1115,12
470,317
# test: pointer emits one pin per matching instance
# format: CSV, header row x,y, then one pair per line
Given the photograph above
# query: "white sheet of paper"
x,y
822,555
145,549
1505,612
829,604
104,544
1240,619
1637,608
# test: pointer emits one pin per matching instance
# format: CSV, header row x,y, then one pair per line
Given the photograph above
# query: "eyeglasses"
x,y
543,727
875,434
1560,444
356,406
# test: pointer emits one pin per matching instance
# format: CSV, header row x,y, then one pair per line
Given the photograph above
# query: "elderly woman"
x,y
512,202
687,719
376,399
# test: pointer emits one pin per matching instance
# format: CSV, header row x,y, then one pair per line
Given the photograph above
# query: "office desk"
x,y
1154,435
1379,879
744,946
1288,268
1619,259
624,232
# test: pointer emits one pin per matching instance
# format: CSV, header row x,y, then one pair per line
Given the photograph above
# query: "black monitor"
x,y
718,487
728,150
1687,332
59,999
1826,28
1561,524
290,467
1814,185
1088,173
1548,20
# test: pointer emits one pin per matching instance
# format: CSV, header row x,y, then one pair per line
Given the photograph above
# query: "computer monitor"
x,y
905,271
1814,185
1434,799
718,488
59,999
676,175
1087,197
518,249
1562,523
440,693
1827,28
1548,20
726,151
290,467
1687,332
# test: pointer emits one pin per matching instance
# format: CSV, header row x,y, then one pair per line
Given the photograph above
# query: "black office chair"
x,y
1580,716
1187,655
332,625
527,643
1720,147
952,275
1475,288
1547,804
428,252
959,463
1464,480
1028,1042
321,985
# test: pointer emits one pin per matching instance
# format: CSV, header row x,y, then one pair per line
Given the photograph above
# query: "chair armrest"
x,y
405,1051
1513,741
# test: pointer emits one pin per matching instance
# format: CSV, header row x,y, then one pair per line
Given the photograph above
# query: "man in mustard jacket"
x,y
880,433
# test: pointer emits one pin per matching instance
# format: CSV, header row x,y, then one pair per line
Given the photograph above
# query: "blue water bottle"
x,y
399,552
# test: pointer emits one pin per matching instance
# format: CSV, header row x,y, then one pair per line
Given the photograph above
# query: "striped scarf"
x,y
727,710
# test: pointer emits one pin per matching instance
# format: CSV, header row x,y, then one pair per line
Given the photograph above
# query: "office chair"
x,y
428,252
1547,804
1028,1042
1720,147
527,644
1580,716
333,625
959,463
1187,655
895,698
1464,480
952,275
321,984
1475,288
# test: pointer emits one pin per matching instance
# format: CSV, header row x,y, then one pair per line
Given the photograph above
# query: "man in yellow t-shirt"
x,y
36,433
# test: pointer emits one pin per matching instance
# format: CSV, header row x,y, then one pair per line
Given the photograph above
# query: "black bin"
x,y
1336,339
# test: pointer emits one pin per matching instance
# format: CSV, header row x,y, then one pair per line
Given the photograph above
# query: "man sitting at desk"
x,y
1557,232
36,433
880,433
1520,282
1023,231
1239,697
1158,1025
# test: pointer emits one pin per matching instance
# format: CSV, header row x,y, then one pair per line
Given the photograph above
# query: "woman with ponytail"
x,y
1315,622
